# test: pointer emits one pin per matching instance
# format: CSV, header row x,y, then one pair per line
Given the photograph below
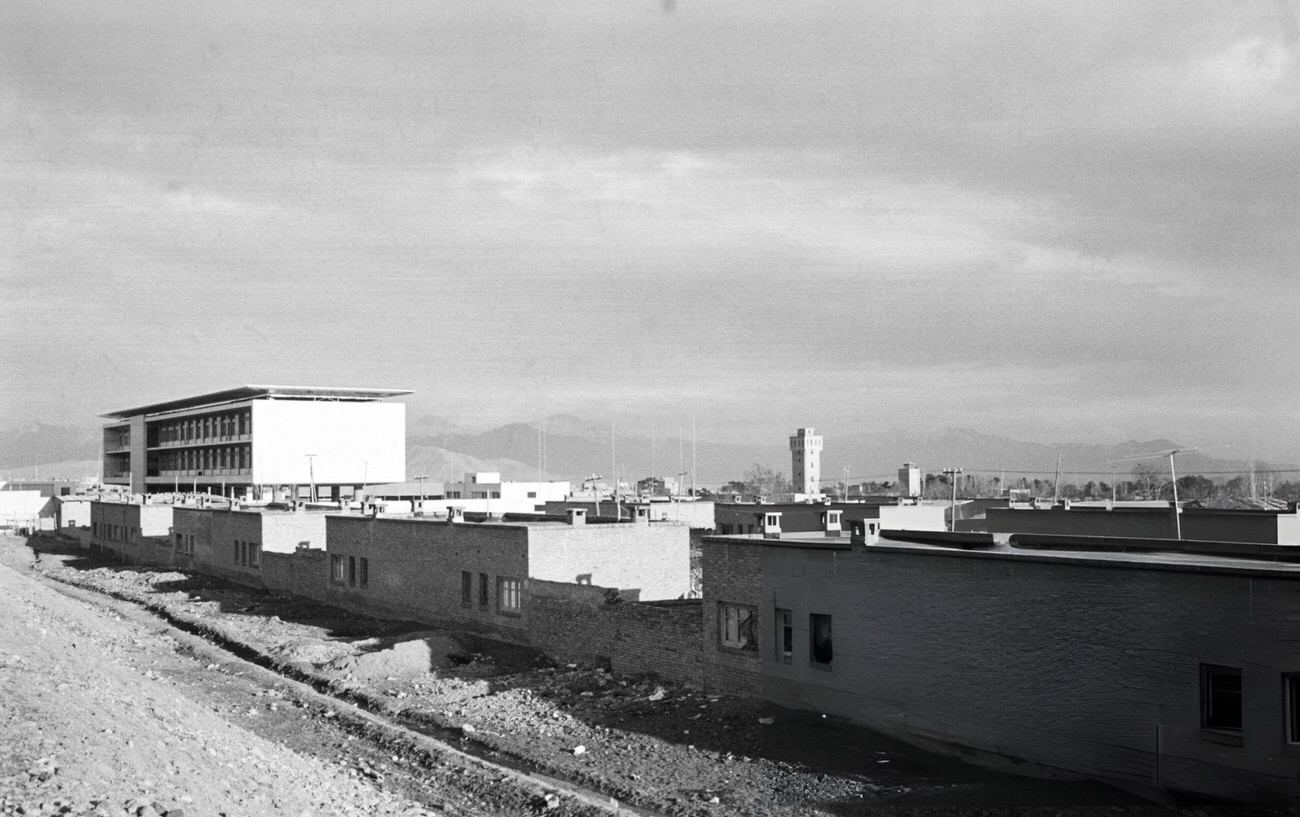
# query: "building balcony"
x,y
201,472
202,441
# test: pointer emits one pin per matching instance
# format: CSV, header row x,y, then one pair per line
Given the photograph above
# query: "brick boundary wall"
x,y
571,622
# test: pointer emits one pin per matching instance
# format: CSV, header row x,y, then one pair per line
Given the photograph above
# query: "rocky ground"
x,y
129,691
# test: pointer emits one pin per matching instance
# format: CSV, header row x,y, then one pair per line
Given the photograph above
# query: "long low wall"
x,y
573,622
568,622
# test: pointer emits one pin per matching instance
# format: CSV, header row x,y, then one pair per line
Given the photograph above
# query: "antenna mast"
x,y
1173,478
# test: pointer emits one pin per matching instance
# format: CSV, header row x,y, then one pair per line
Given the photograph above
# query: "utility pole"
x,y
952,473
692,454
1173,477
1056,483
311,474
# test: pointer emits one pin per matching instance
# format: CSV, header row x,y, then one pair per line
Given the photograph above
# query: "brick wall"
x,y
302,573
572,622
732,573
1066,662
414,570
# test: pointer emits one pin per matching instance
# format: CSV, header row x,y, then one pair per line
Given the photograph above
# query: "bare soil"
x,y
127,689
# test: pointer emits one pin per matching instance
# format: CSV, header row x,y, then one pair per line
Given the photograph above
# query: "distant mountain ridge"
x,y
572,448
42,444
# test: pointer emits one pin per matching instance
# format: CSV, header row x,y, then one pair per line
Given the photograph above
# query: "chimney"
x,y
772,525
864,532
832,523
577,516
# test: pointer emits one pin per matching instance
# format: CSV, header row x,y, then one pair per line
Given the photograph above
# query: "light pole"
x,y
421,478
952,476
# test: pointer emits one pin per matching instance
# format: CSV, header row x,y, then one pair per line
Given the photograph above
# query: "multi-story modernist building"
x,y
259,442
805,462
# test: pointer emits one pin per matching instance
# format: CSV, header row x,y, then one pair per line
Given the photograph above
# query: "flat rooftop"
x,y
1255,563
240,393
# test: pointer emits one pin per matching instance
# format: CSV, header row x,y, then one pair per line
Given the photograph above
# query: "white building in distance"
x,y
259,442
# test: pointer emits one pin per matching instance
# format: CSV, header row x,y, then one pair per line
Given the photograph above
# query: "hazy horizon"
x,y
1056,224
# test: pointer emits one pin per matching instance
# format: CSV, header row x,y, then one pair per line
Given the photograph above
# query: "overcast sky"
x,y
1060,222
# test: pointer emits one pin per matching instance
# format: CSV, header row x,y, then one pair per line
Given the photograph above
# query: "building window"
x,y
336,569
466,588
532,494
1220,698
352,571
784,636
482,590
363,577
736,623
1292,681
819,642
239,552
509,595
254,554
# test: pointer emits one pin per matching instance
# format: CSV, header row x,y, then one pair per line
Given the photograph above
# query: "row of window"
x,y
234,457
248,554
225,426
1221,686
482,495
113,532
350,570
738,624
184,543
1222,702
510,593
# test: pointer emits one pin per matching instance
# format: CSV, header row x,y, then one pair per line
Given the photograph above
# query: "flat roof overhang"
x,y
255,392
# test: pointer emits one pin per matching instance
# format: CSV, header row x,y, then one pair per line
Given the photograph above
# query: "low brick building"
x,y
129,531
476,575
236,544
1200,524
739,518
1152,671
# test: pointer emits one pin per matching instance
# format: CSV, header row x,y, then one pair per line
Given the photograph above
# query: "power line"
x,y
1067,472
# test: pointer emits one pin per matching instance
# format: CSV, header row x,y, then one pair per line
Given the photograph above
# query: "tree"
x,y
1151,479
1194,486
761,481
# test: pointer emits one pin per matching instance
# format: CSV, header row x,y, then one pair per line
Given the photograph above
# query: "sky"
x,y
1058,222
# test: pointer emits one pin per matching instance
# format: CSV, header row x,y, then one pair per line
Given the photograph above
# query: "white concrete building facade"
x,y
259,442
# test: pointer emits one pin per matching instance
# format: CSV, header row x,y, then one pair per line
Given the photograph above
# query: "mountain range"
x,y
571,448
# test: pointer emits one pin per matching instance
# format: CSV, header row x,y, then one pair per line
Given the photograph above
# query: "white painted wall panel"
x,y
353,442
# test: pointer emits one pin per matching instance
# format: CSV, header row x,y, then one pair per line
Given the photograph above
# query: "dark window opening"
x,y
784,636
1293,708
819,631
1220,698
